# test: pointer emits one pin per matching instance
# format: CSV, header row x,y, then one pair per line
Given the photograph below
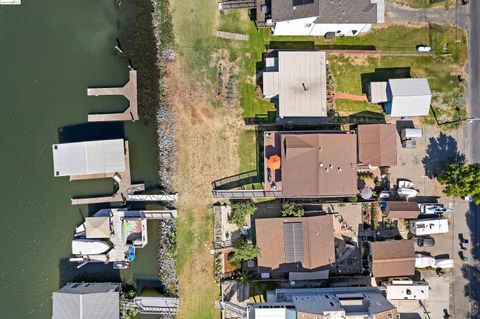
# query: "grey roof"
x,y
293,241
409,97
92,157
327,11
299,78
87,301
349,299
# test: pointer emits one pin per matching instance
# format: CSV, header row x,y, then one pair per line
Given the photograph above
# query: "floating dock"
x,y
129,91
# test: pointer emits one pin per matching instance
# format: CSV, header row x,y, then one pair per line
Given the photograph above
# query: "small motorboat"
x,y
89,247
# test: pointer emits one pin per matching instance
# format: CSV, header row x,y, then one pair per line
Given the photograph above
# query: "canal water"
x,y
50,52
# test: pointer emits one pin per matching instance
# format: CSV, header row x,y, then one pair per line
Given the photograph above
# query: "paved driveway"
x,y
395,13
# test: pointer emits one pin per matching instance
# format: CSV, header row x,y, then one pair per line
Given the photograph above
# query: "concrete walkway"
x,y
395,14
346,96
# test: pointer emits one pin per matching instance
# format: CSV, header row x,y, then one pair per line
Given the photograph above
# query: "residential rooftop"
x,y
291,244
327,11
392,258
299,79
402,210
313,164
377,144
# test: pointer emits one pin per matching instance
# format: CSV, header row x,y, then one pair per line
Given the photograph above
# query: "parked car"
x,y
463,240
424,242
424,48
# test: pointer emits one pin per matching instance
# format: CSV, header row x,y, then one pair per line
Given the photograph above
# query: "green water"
x,y
50,52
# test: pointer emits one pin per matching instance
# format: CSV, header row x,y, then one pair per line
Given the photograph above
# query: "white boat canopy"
x,y
92,157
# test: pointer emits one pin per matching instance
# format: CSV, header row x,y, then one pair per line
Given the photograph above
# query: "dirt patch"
x,y
227,74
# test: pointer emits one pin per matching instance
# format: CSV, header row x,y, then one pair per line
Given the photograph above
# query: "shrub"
x,y
244,250
290,209
353,199
240,211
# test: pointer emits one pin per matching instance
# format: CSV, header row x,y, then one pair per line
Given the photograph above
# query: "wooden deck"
x,y
125,187
232,36
129,91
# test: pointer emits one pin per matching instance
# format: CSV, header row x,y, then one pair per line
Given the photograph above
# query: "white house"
x,y
402,97
320,17
422,227
298,79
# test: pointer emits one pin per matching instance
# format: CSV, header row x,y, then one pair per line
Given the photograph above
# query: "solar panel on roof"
x,y
293,242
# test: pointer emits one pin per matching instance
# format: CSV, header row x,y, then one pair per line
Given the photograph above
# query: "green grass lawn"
x,y
247,151
248,56
392,38
349,107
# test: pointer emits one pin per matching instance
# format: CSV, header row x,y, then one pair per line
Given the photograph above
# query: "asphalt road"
x,y
474,79
473,219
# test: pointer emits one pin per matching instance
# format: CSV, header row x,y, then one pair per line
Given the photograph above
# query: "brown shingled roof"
x,y
319,164
402,210
318,244
377,144
392,258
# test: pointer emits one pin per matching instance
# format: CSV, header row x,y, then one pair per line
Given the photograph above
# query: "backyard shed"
x,y
92,157
408,97
299,80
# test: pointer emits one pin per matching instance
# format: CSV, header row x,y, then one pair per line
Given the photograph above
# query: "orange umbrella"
x,y
274,162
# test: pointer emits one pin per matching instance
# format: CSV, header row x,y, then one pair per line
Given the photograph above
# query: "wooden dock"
x,y
129,91
232,36
125,187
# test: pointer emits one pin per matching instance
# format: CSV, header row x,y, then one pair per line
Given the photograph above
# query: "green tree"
x,y
461,179
241,210
290,209
244,250
127,295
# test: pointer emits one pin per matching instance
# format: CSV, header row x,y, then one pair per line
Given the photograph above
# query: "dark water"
x,y
50,52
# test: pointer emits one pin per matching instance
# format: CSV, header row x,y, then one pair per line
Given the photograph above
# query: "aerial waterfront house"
x,y
92,157
310,303
392,258
87,301
291,246
297,81
311,164
377,145
402,97
319,17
